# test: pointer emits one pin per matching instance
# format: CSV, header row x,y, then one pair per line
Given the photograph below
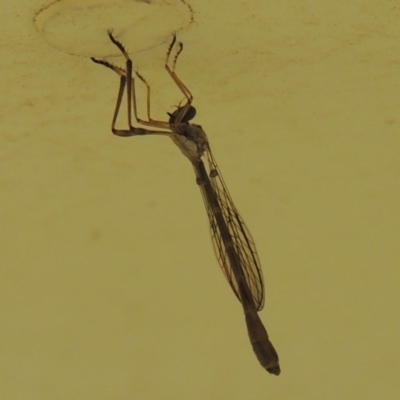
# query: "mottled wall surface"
x,y
109,288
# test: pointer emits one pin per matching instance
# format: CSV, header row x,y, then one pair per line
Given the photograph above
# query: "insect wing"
x,y
242,240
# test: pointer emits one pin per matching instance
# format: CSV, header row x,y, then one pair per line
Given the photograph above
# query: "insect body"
x,y
233,244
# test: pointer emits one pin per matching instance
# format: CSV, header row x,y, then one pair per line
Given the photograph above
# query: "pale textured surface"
x,y
109,287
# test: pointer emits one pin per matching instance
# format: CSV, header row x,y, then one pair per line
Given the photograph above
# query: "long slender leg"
x,y
121,89
150,121
130,86
171,71
182,110
178,82
128,81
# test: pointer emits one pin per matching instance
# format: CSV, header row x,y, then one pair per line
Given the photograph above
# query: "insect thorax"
x,y
191,139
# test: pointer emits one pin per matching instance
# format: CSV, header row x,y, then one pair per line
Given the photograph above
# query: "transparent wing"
x,y
243,242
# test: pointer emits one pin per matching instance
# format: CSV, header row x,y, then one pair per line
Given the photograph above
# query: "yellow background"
x,y
109,288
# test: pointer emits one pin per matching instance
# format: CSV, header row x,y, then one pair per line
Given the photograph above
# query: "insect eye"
x,y
177,115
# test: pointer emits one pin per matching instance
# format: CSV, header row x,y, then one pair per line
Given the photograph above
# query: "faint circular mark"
x,y
78,27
